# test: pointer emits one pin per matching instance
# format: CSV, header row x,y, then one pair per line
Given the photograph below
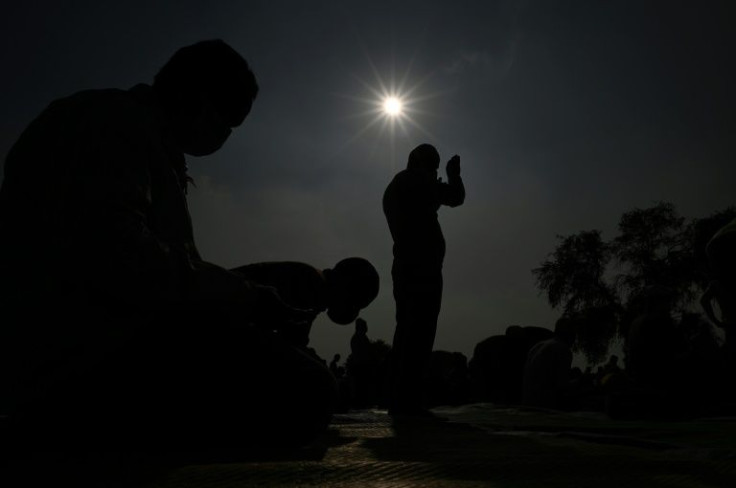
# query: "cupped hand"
x,y
453,166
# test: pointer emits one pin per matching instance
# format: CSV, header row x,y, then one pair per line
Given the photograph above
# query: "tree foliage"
x,y
602,283
573,274
655,252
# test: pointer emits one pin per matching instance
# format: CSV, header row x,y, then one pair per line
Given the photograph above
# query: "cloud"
x,y
482,62
465,61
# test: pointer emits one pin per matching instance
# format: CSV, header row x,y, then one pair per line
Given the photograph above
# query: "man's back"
x,y
299,284
91,183
410,204
90,207
547,373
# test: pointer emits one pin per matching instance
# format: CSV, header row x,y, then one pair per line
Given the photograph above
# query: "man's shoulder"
x,y
300,267
97,98
406,184
547,346
286,265
81,119
104,106
289,270
404,177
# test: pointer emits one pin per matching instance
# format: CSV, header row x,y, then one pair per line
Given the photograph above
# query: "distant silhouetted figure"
x,y
335,366
547,372
342,291
611,365
653,342
114,329
359,342
364,368
410,204
656,362
489,370
521,340
721,253
448,379
701,363
721,291
496,369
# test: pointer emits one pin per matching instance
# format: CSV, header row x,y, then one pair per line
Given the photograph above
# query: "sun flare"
x,y
392,106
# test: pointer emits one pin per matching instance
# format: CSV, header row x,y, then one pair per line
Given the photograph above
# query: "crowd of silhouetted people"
x,y
670,369
675,365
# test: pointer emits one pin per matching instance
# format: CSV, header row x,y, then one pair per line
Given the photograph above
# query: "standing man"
x,y
410,203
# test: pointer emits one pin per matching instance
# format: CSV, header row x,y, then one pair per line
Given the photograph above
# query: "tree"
x,y
597,327
573,276
655,252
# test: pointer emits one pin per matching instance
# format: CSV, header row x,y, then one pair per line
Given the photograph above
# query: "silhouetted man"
x,y
359,342
364,368
547,370
341,291
410,203
721,253
113,326
334,365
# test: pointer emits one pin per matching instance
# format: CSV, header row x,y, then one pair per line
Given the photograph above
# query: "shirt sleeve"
x,y
452,193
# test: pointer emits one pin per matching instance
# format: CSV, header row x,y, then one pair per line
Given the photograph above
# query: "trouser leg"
x,y
418,300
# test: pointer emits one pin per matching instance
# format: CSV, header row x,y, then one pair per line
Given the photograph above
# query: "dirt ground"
x,y
478,445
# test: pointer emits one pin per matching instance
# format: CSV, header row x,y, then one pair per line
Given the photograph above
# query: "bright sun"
x,y
392,106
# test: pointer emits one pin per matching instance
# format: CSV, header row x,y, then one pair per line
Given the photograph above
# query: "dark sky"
x,y
565,114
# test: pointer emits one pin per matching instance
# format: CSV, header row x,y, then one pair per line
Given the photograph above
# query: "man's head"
x,y
352,285
425,158
206,89
361,326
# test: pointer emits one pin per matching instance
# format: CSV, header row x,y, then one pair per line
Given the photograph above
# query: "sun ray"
x,y
358,135
394,102
422,129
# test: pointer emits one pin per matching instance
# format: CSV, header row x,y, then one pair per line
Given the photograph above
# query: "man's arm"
x,y
452,193
212,286
132,264
117,247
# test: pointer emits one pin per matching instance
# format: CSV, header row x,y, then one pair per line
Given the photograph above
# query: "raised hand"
x,y
453,167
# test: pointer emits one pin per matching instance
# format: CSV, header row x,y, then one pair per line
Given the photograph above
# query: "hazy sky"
x,y
565,115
